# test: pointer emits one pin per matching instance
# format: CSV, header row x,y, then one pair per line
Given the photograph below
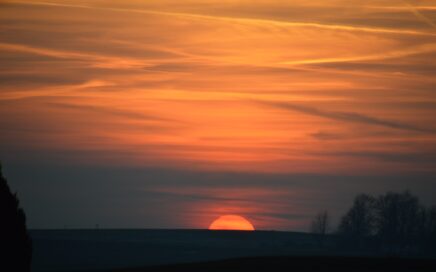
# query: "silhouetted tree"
x,y
430,229
427,228
357,225
15,243
320,227
397,221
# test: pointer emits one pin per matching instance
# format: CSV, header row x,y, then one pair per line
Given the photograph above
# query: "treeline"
x,y
392,223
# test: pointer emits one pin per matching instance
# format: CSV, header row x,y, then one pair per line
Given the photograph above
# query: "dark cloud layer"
x,y
128,197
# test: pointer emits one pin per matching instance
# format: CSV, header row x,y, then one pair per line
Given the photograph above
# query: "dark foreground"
x,y
298,264
202,250
79,250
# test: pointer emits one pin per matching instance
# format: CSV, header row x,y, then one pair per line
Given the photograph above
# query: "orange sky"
x,y
277,87
321,87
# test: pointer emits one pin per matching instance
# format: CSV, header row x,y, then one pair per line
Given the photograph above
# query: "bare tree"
x,y
427,228
430,229
358,223
396,223
359,220
320,226
398,217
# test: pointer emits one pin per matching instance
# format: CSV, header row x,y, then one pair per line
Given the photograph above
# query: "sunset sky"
x,y
169,113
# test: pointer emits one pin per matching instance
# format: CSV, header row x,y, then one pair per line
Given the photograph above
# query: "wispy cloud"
x,y
422,157
256,21
107,111
421,49
100,61
352,117
175,80
417,12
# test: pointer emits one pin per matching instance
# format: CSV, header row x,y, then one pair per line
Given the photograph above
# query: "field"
x,y
305,263
197,250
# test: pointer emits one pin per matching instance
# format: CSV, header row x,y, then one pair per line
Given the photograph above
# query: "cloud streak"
x,y
256,21
352,117
94,60
108,111
416,11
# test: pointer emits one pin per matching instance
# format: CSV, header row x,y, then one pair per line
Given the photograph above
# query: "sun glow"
x,y
231,222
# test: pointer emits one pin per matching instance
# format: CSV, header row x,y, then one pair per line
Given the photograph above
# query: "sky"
x,y
168,114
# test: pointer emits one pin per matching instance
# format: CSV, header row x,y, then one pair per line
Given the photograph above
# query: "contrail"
x,y
352,117
419,15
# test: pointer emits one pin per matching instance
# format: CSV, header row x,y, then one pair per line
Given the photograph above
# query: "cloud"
x,y
129,196
93,60
255,21
421,49
416,11
352,117
386,65
108,110
322,135
422,157
198,63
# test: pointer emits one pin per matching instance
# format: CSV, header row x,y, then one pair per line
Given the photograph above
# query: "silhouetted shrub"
x,y
15,243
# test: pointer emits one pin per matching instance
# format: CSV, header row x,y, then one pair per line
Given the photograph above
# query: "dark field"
x,y
202,250
282,263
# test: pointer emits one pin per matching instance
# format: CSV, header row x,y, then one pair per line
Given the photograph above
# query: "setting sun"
x,y
231,222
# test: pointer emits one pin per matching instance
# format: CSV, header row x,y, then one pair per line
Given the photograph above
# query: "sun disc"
x,y
231,222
